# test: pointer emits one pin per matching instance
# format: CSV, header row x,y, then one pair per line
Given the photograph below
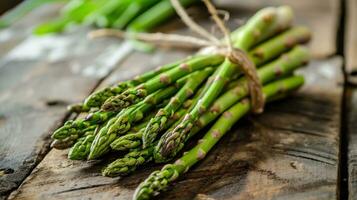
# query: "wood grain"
x,y
289,152
351,41
351,95
352,141
30,67
20,30
39,77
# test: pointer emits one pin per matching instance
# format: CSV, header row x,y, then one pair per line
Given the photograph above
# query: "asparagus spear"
x,y
76,128
81,148
134,159
129,162
158,122
159,180
283,19
276,45
285,65
74,12
133,10
96,99
134,95
101,15
282,66
135,113
72,128
133,140
156,15
279,44
255,29
140,156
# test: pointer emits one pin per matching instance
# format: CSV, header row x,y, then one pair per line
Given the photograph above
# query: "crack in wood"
x,y
306,155
82,188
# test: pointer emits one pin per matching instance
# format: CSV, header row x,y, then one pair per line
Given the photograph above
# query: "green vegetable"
x,y
255,30
134,95
133,139
126,118
157,123
159,180
282,66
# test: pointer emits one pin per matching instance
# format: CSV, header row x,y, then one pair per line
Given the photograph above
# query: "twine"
x,y
208,41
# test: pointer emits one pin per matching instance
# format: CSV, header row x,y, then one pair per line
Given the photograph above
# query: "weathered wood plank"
x,y
289,152
351,41
352,141
69,67
319,15
39,77
351,95
13,35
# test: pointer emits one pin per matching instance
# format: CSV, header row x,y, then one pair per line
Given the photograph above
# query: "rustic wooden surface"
x,y
302,161
351,96
290,151
39,77
352,141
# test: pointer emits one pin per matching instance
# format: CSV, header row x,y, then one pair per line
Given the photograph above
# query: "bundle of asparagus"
x,y
152,116
134,15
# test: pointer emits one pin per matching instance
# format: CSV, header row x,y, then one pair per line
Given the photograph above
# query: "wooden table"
x,y
304,147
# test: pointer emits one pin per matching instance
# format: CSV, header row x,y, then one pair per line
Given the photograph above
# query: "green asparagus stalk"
x,y
134,95
159,180
129,162
132,160
255,29
156,15
140,156
81,148
284,17
282,66
157,124
279,68
133,10
96,99
135,113
279,44
74,12
103,14
133,140
76,128
122,166
72,128
122,122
